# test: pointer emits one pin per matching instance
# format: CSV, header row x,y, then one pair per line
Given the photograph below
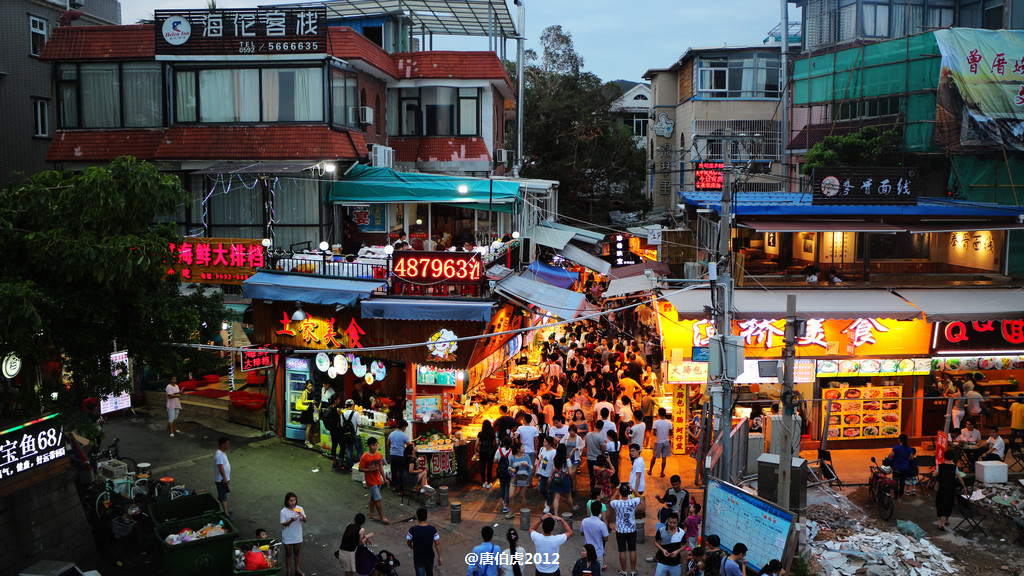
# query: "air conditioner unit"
x,y
501,156
365,115
382,156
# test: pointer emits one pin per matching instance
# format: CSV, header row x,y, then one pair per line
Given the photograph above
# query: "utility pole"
x,y
784,80
517,167
786,455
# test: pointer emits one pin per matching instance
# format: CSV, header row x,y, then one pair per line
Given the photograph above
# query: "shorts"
x,y
172,414
375,492
662,450
222,491
626,541
522,481
347,559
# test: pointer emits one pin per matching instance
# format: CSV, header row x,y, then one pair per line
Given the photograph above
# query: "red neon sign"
x,y
709,176
216,260
438,266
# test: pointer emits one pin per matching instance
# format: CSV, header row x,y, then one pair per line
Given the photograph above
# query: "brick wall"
x,y
376,98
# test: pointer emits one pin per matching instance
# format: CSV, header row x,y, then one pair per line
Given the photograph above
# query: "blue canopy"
x,y
553,274
369,185
421,309
799,204
307,288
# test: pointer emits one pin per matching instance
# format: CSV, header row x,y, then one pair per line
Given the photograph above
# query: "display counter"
x,y
448,467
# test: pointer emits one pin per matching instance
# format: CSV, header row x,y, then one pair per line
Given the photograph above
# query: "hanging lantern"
x,y
358,368
378,370
332,372
369,378
323,362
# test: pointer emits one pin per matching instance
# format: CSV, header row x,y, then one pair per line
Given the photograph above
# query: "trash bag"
x,y
255,560
910,529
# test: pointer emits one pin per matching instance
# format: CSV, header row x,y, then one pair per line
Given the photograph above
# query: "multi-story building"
x,y
26,88
634,108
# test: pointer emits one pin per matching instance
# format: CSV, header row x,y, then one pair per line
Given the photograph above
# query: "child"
x,y
693,526
912,471
261,534
680,493
663,512
695,565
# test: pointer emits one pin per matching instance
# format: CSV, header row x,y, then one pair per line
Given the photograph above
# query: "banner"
x,y
980,100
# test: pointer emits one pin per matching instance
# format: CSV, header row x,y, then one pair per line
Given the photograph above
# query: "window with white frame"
x,y
41,112
875,20
739,75
38,30
434,111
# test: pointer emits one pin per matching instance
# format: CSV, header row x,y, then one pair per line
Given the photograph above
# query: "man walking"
x,y
424,540
222,472
350,434
173,403
395,444
371,464
594,442
485,565
662,429
625,504
547,544
595,530
637,480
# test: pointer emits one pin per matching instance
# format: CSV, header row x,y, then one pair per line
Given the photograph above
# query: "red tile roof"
x,y
84,43
439,149
347,44
103,145
260,142
449,64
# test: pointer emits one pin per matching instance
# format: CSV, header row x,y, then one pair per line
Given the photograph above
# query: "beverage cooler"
x,y
296,373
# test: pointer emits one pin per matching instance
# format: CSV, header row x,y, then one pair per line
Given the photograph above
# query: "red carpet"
x,y
209,393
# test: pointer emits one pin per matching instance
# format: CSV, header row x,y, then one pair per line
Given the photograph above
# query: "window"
x,y
992,14
873,108
666,187
293,95
110,95
749,75
899,246
435,111
38,31
227,95
344,102
848,21
269,94
41,109
876,20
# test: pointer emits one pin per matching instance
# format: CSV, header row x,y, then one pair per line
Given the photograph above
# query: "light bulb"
x,y
389,249
324,246
463,189
515,235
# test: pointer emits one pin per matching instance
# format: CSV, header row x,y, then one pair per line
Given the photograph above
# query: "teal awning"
x,y
369,185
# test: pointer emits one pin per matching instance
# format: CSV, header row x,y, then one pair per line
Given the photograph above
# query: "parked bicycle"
x,y
881,487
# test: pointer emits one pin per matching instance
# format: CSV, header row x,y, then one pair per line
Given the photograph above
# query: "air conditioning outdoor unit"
x,y
501,155
365,115
382,156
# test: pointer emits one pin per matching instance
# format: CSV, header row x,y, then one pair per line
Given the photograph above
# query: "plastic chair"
x,y
970,516
1017,463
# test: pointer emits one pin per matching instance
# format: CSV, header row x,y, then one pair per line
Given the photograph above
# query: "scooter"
x,y
881,486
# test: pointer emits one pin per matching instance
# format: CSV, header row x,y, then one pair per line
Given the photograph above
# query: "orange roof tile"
x,y
451,64
83,43
260,142
347,44
103,145
439,149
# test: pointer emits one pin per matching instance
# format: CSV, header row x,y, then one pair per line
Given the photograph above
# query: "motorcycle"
x,y
881,487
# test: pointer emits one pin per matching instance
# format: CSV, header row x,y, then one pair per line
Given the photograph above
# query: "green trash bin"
x,y
212,556
184,508
245,545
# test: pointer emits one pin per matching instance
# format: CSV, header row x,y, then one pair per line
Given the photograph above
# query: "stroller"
x,y
383,563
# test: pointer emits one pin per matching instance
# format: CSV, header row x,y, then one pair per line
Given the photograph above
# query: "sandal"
x,y
385,521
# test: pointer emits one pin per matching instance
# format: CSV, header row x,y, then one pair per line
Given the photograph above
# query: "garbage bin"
x,y
244,546
211,556
184,508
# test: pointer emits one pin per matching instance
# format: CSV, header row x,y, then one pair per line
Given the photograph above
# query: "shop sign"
x,y
970,363
701,353
860,185
216,260
370,218
30,445
321,333
688,372
988,336
433,376
437,267
679,423
866,367
12,365
442,346
803,372
636,246
251,31
256,359
863,412
495,360
709,176
941,444
443,464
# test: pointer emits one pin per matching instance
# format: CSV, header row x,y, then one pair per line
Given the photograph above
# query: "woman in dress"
x,y
948,477
521,470
292,519
304,406
561,480
486,446
603,473
414,470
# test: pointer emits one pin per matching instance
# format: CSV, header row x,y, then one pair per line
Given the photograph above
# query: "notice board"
x,y
736,516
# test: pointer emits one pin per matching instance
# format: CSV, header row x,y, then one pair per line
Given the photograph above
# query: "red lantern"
x,y
755,388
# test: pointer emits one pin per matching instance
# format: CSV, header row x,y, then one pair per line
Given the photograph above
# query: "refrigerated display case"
x,y
296,374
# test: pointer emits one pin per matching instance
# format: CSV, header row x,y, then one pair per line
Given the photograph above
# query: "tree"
x,y
571,136
85,267
868,147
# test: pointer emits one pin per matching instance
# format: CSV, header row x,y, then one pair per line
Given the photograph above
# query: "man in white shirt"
x,y
559,431
635,434
222,472
527,434
636,476
547,544
996,446
545,463
970,434
662,429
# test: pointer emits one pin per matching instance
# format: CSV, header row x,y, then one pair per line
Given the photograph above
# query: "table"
x,y
969,454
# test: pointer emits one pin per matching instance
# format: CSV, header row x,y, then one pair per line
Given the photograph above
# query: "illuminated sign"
x,y
256,359
687,372
12,365
987,336
433,376
264,31
321,333
453,267
708,176
442,345
844,186
216,260
30,445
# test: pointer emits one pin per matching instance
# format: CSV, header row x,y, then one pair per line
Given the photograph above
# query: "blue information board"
x,y
736,516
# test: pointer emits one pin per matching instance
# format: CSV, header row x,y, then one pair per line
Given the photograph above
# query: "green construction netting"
x,y
992,180
907,67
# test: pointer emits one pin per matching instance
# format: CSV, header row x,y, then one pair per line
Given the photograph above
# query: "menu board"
x,y
865,367
428,408
954,364
863,412
679,418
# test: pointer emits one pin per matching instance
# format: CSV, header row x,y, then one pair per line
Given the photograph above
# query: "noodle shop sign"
x,y
988,336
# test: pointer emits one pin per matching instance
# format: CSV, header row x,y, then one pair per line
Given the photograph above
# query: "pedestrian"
x,y
613,449
306,409
424,541
948,480
648,407
900,456
292,519
912,471
520,469
625,505
353,537
545,462
588,564
603,473
594,443
396,445
485,565
736,563
636,475
350,434
546,544
695,563
595,529
713,555
527,434
682,497
638,431
513,557
503,457
772,568
668,507
662,440
222,472
486,447
173,403
561,481
669,541
574,449
331,417
371,464
693,521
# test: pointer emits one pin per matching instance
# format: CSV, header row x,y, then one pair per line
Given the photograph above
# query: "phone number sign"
x,y
270,30
29,446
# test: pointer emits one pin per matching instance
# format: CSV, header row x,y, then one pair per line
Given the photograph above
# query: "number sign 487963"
x,y
433,266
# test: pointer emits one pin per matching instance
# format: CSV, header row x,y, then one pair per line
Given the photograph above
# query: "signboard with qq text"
x,y
250,31
30,446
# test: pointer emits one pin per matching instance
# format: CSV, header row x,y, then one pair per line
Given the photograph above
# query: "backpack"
x,y
503,465
330,418
348,429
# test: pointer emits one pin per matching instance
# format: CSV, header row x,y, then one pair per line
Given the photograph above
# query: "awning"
x,y
422,309
787,204
307,288
553,274
544,236
965,226
564,304
258,167
584,258
822,303
631,285
639,269
967,304
820,226
579,234
368,185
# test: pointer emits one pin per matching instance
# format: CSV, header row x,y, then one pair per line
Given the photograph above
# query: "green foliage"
x,y
571,136
868,147
799,566
84,267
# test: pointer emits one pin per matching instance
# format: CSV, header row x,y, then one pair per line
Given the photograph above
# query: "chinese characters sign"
x,y
991,335
30,445
319,333
262,31
256,359
851,186
708,176
216,260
